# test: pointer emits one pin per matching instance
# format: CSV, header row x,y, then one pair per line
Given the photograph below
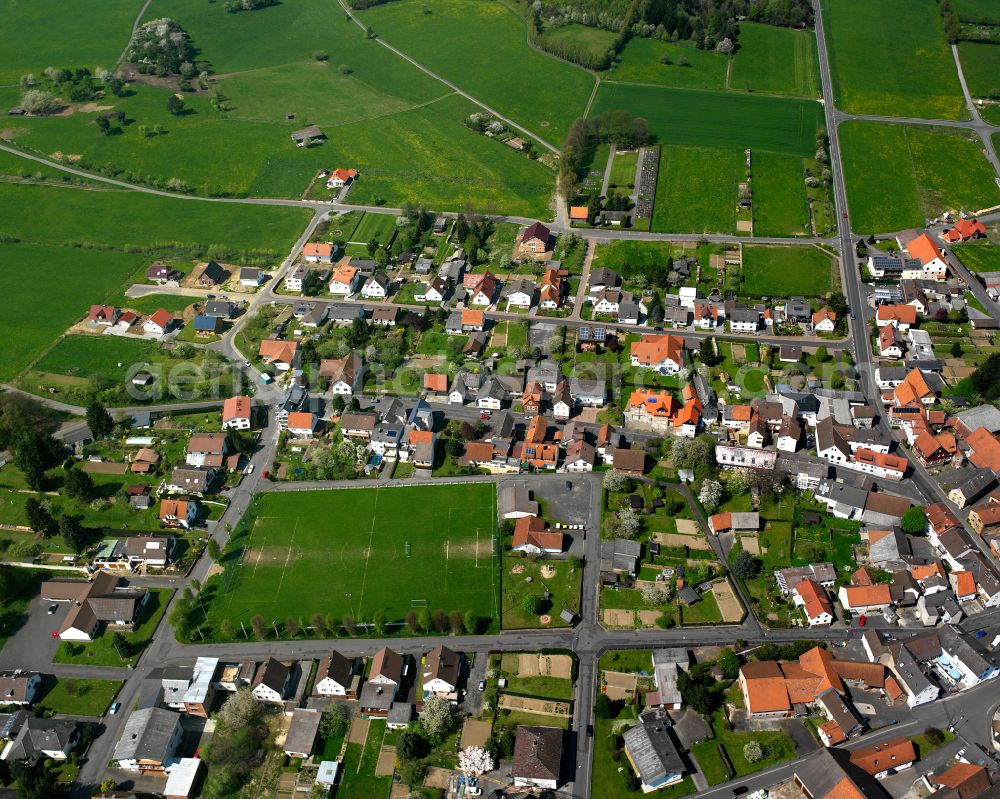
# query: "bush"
x,y
320,55
38,101
752,752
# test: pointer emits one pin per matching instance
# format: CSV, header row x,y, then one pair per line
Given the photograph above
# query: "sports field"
x,y
482,48
899,176
775,60
786,271
979,257
892,58
360,551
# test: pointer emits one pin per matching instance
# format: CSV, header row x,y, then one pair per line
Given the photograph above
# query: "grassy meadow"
x,y
898,176
686,67
786,271
981,66
696,190
891,58
979,257
779,195
41,33
774,60
594,41
482,48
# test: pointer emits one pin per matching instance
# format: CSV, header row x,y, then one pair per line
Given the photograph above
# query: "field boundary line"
x,y
288,557
368,554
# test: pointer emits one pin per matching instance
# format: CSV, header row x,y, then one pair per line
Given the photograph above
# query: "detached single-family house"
x,y
163,275
178,512
42,738
537,757
664,354
251,276
824,321
19,687
150,739
534,240
341,177
283,355
345,279
345,374
652,752
236,413
270,683
376,287
316,252
159,323
531,535
520,294
385,677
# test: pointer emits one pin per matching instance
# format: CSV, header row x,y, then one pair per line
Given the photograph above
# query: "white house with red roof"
x,y
159,323
340,178
236,413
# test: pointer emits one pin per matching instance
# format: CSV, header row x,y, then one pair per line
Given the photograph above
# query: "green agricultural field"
x,y
976,9
980,257
623,170
779,196
776,61
389,548
891,58
593,41
786,271
79,697
697,190
899,176
713,119
126,219
542,93
981,66
74,279
688,68
41,33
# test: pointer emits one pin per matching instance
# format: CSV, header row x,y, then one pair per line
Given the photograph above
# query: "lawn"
x,y
73,279
542,93
704,612
779,195
697,189
777,746
623,170
380,227
688,68
393,549
358,780
41,33
981,257
784,271
564,587
101,651
773,60
899,176
891,58
714,119
79,697
621,255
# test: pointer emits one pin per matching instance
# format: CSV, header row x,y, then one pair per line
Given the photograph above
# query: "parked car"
x,y
484,415
981,634
482,685
52,609
862,620
114,708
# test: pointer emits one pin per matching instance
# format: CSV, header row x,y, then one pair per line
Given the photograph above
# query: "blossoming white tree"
x,y
475,761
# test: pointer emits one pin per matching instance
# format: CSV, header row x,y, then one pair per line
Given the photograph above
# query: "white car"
x,y
249,469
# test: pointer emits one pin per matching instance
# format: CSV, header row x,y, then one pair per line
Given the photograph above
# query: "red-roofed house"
x,y
963,583
103,314
965,230
656,410
824,321
301,424
532,535
318,252
814,602
340,178
865,598
436,384
924,249
159,323
985,452
900,317
886,758
664,353
236,413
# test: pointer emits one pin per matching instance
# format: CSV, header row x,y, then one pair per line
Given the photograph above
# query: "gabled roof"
x,y
272,674
536,230
235,408
654,350
441,663
388,665
892,754
537,753
923,248
905,314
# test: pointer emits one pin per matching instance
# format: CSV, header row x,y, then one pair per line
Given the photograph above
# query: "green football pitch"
x,y
360,551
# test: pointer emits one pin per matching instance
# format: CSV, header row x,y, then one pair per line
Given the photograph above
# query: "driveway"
x,y
472,702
